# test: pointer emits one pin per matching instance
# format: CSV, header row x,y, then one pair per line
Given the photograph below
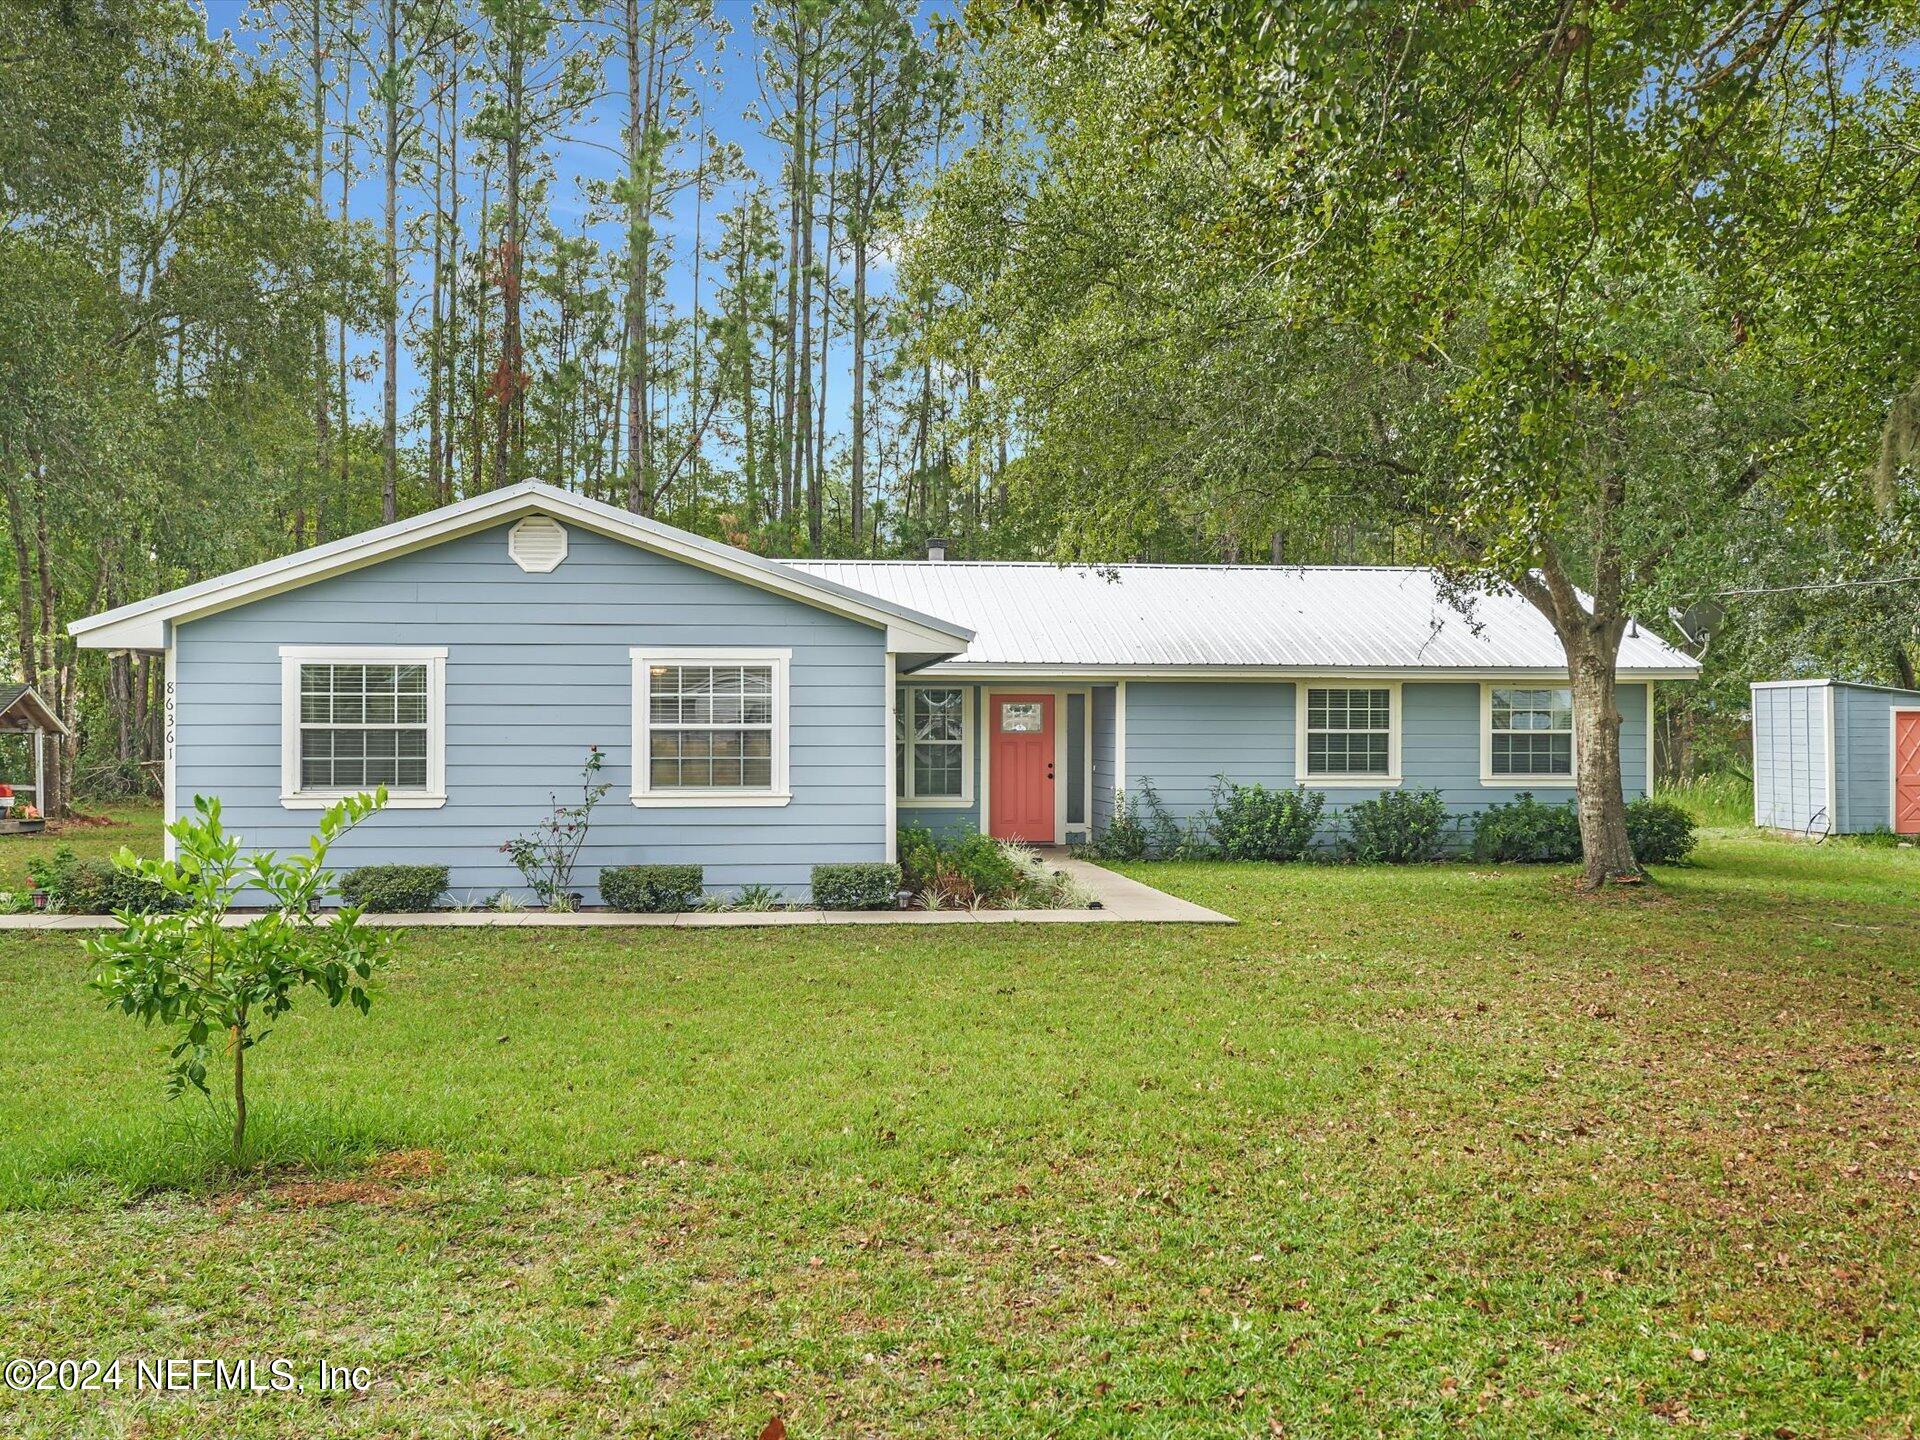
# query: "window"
x,y
933,745
1021,717
354,719
1349,733
710,727
1529,734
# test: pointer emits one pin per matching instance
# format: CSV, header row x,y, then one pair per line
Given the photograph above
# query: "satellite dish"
x,y
1699,622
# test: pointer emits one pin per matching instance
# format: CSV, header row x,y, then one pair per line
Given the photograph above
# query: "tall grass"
x,y
1716,801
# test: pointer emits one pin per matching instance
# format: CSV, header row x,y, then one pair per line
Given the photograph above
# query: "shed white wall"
x,y
1792,768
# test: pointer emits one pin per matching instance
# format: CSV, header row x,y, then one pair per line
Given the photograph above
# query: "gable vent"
x,y
538,544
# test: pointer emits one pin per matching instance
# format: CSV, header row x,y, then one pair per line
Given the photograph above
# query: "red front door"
x,y
1906,772
1021,799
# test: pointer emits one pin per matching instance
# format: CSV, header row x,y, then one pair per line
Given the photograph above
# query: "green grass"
x,y
99,835
1407,1152
1722,801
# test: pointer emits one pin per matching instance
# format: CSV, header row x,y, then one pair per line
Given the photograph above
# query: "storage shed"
x,y
1831,757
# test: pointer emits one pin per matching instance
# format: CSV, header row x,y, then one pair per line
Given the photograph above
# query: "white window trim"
x,y
1346,780
292,657
642,792
1527,782
905,798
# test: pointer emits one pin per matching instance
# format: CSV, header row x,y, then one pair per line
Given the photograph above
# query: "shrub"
x,y
1251,822
1527,832
870,885
1398,827
1660,832
652,889
545,859
919,856
1041,886
963,869
394,889
983,865
1169,839
1124,838
96,887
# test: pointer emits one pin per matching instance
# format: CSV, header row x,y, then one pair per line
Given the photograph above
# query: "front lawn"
x,y
1407,1152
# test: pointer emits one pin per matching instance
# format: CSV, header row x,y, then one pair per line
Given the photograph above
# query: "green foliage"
x,y
207,981
1527,832
1661,832
1396,827
1171,839
758,898
966,868
1124,838
545,859
1251,822
1719,798
652,889
870,885
94,887
394,889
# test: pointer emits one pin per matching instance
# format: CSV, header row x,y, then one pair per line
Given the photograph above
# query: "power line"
x,y
1820,585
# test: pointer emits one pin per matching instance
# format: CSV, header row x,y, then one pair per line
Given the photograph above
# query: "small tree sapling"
x,y
191,971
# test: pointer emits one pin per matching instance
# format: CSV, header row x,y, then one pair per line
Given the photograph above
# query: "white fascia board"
x,y
985,673
141,626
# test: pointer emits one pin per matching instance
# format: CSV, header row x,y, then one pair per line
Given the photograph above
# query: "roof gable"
x,y
143,625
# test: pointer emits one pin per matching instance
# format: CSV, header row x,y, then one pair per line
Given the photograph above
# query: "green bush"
x,y
95,887
652,889
1527,832
1124,838
1398,827
394,889
961,869
1660,832
1251,822
869,885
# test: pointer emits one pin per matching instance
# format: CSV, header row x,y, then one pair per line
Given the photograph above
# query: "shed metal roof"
x,y
22,705
1225,617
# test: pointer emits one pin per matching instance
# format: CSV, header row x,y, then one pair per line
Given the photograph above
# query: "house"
x,y
762,716
1831,757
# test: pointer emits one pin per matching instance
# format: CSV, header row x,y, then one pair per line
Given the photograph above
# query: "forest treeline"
x,y
1622,291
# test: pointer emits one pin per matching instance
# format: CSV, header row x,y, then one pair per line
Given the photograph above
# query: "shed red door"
x,y
1021,797
1906,771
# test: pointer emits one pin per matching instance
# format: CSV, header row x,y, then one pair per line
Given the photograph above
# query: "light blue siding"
x,y
1863,764
1181,735
538,670
1790,758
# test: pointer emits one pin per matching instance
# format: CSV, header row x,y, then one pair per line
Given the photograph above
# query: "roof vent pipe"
x,y
936,549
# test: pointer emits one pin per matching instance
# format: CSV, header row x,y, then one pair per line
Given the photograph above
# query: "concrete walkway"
x,y
1122,901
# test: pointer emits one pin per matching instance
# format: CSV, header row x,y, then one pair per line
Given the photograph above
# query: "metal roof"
x,y
1224,617
23,702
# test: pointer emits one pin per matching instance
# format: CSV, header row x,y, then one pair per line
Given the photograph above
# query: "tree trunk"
x,y
1596,731
390,277
317,59
239,1093
507,381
